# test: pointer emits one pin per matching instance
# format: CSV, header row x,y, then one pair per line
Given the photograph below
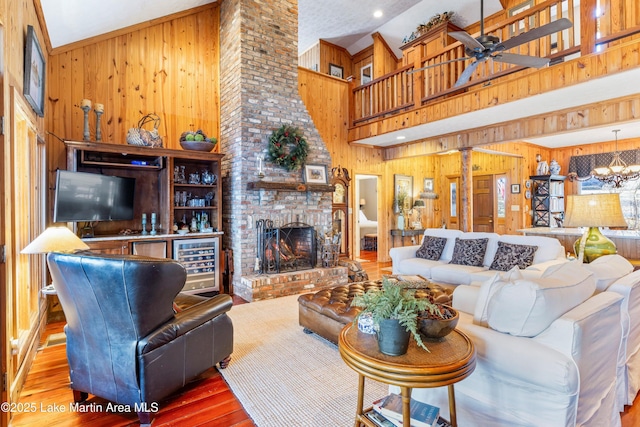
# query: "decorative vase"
x,y
401,221
435,328
393,338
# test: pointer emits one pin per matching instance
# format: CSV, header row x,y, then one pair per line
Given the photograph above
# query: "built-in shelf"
x,y
289,186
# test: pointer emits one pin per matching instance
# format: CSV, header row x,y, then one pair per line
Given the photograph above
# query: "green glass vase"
x,y
595,246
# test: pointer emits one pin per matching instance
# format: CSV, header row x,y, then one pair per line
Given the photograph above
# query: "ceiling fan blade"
x,y
467,73
439,63
536,33
524,60
466,39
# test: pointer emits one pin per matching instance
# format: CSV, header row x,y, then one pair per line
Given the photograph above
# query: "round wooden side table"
x,y
447,362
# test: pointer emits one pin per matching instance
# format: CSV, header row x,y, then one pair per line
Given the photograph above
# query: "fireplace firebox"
x,y
291,247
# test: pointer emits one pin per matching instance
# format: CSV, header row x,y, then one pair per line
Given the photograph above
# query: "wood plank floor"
x,y
207,401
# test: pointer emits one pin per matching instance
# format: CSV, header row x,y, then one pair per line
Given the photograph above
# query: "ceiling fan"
x,y
486,47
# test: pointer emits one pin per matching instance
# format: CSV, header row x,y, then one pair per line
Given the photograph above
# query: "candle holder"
x,y
153,224
144,225
98,133
86,134
260,163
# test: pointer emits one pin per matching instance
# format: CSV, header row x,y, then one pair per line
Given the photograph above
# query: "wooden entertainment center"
x,y
157,190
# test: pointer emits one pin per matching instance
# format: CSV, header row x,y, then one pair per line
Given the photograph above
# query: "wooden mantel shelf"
x,y
289,186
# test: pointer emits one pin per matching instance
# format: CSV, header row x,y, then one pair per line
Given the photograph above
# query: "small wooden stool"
x,y
370,242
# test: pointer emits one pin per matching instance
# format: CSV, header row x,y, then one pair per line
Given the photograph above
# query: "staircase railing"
x,y
404,89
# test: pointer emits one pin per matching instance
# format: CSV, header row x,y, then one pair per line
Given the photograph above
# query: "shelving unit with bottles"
x,y
547,200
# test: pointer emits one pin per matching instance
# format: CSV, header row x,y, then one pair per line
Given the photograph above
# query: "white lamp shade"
x,y
55,239
594,210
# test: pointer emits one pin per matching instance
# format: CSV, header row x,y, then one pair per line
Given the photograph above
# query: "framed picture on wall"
x,y
515,188
336,71
34,73
428,185
315,174
403,189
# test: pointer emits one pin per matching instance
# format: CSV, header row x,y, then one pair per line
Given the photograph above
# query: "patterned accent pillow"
x,y
469,251
510,255
431,248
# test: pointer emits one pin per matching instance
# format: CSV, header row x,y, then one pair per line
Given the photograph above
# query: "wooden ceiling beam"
x,y
594,115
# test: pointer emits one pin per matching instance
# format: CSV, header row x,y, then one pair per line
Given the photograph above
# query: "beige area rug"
x,y
284,377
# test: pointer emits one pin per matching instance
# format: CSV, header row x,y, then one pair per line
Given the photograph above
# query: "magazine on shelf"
x,y
422,414
378,419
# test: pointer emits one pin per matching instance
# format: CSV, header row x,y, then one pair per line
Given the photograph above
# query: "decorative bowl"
x,y
197,145
182,231
437,328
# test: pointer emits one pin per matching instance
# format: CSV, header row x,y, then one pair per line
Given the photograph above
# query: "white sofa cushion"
x,y
487,289
549,248
527,307
607,269
458,274
419,266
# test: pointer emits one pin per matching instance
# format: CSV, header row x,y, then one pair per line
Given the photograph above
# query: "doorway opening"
x,y
366,233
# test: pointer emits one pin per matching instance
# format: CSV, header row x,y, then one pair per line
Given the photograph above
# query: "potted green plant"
x,y
394,309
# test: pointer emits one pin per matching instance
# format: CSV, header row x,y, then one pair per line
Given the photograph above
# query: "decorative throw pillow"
x,y
431,248
488,288
510,255
469,251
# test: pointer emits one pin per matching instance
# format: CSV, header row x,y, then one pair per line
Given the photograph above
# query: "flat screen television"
x,y
88,197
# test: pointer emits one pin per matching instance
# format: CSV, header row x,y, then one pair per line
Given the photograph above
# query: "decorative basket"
x,y
143,137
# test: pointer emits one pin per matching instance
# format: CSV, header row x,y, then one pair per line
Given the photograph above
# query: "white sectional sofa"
x,y
560,348
404,260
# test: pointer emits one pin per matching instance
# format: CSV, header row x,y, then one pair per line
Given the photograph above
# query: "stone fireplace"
x,y
259,93
291,247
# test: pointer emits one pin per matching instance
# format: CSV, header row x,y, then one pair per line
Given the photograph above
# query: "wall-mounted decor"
x,y
315,174
428,184
515,188
288,147
403,191
336,71
34,73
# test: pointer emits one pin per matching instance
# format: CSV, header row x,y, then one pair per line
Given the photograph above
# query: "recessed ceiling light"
x,y
377,14
400,137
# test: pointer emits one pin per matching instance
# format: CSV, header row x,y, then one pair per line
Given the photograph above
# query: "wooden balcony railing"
x,y
404,89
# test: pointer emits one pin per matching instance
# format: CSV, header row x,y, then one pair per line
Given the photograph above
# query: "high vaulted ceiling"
x,y
346,23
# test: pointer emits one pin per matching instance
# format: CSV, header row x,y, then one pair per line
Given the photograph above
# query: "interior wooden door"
x,y
483,203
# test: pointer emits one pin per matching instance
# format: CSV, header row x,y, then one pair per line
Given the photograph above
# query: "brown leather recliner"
x,y
124,341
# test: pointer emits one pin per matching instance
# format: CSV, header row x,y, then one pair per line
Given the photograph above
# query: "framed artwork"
x,y
315,174
515,188
34,73
336,71
403,185
428,185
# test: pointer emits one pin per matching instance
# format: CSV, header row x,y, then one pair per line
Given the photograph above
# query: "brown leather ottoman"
x,y
327,311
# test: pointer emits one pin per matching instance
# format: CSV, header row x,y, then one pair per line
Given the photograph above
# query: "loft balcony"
x,y
423,89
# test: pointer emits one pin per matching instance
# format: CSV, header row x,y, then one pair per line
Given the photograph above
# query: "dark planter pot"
x,y
437,328
393,338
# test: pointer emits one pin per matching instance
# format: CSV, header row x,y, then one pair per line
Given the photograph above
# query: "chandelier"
x,y
617,173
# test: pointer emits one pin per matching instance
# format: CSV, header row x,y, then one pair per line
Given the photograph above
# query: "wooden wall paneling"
x,y
310,58
142,72
330,53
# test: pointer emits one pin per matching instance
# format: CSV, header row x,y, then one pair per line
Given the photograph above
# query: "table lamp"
x,y
55,239
594,211
419,204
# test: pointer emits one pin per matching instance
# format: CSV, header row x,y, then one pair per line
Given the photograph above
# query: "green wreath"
x,y
279,145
